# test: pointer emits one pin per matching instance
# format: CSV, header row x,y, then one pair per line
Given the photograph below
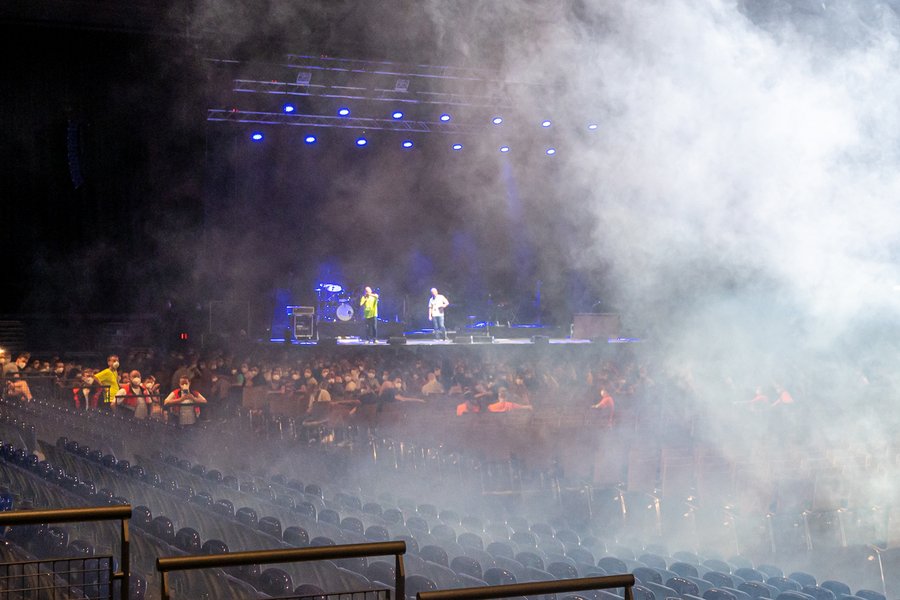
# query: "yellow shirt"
x,y
370,305
108,377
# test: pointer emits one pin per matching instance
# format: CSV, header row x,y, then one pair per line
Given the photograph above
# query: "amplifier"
x,y
303,326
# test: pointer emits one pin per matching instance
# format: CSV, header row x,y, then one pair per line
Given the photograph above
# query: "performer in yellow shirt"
x,y
109,379
369,302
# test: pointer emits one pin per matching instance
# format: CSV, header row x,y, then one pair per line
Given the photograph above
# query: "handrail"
x,y
534,588
121,513
260,557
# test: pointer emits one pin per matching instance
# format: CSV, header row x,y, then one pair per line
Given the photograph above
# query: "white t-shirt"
x,y
436,305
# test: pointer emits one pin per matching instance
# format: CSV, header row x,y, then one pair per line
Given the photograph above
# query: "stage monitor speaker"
x,y
482,339
396,340
540,339
327,341
462,339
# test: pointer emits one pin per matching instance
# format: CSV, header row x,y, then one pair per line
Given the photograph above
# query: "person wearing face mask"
x,y
109,379
134,396
185,400
87,393
16,366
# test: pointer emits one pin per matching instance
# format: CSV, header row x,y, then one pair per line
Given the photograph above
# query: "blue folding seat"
x,y
838,588
530,559
870,595
164,529
353,525
373,508
418,583
804,579
719,579
718,594
214,547
377,533
392,516
141,517
783,584
468,539
468,566
684,569
613,565
561,570
657,562
647,575
770,570
756,589
500,549
330,516
435,554
380,571
818,592
307,510
224,507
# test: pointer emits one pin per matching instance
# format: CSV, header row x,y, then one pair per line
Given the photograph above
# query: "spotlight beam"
x,y
307,120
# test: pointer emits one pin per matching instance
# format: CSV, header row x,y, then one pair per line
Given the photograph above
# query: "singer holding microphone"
x,y
369,302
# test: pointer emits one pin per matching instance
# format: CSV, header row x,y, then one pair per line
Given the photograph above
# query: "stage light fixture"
x,y
551,151
310,139
592,126
288,108
445,117
504,148
361,141
407,144
457,146
397,114
256,136
497,120
545,123
344,111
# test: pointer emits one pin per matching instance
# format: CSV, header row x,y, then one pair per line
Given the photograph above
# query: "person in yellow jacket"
x,y
369,302
109,379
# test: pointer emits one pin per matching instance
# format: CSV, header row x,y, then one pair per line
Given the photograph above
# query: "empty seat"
x,y
224,507
647,575
296,536
750,574
164,529
353,525
501,549
658,562
188,539
683,586
468,566
804,579
755,589
719,579
275,582
247,516
612,565
718,594
306,509
141,517
818,592
214,547
377,533
381,571
870,594
435,554
838,588
530,559
468,539
783,584
270,526
770,570
562,570
498,576
330,516
418,583
684,569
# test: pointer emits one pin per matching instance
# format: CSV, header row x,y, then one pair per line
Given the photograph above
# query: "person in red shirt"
x,y
606,405
504,405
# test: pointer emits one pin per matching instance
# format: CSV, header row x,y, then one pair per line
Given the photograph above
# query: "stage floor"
x,y
355,341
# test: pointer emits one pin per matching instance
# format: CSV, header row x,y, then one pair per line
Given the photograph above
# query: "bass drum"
x,y
344,312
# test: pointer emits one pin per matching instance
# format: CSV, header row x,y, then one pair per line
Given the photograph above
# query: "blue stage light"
x,y
504,148
361,141
407,144
551,151
288,108
397,114
497,120
445,117
592,126
457,146
343,111
310,139
545,123
256,136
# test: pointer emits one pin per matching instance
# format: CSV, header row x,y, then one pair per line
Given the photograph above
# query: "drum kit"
x,y
334,303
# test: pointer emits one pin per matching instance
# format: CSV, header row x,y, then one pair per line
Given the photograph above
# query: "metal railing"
x,y
83,515
260,557
534,588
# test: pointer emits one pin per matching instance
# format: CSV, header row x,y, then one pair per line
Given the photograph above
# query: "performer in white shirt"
x,y
436,305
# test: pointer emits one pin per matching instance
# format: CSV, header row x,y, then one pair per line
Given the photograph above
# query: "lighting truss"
x,y
363,81
498,100
308,120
